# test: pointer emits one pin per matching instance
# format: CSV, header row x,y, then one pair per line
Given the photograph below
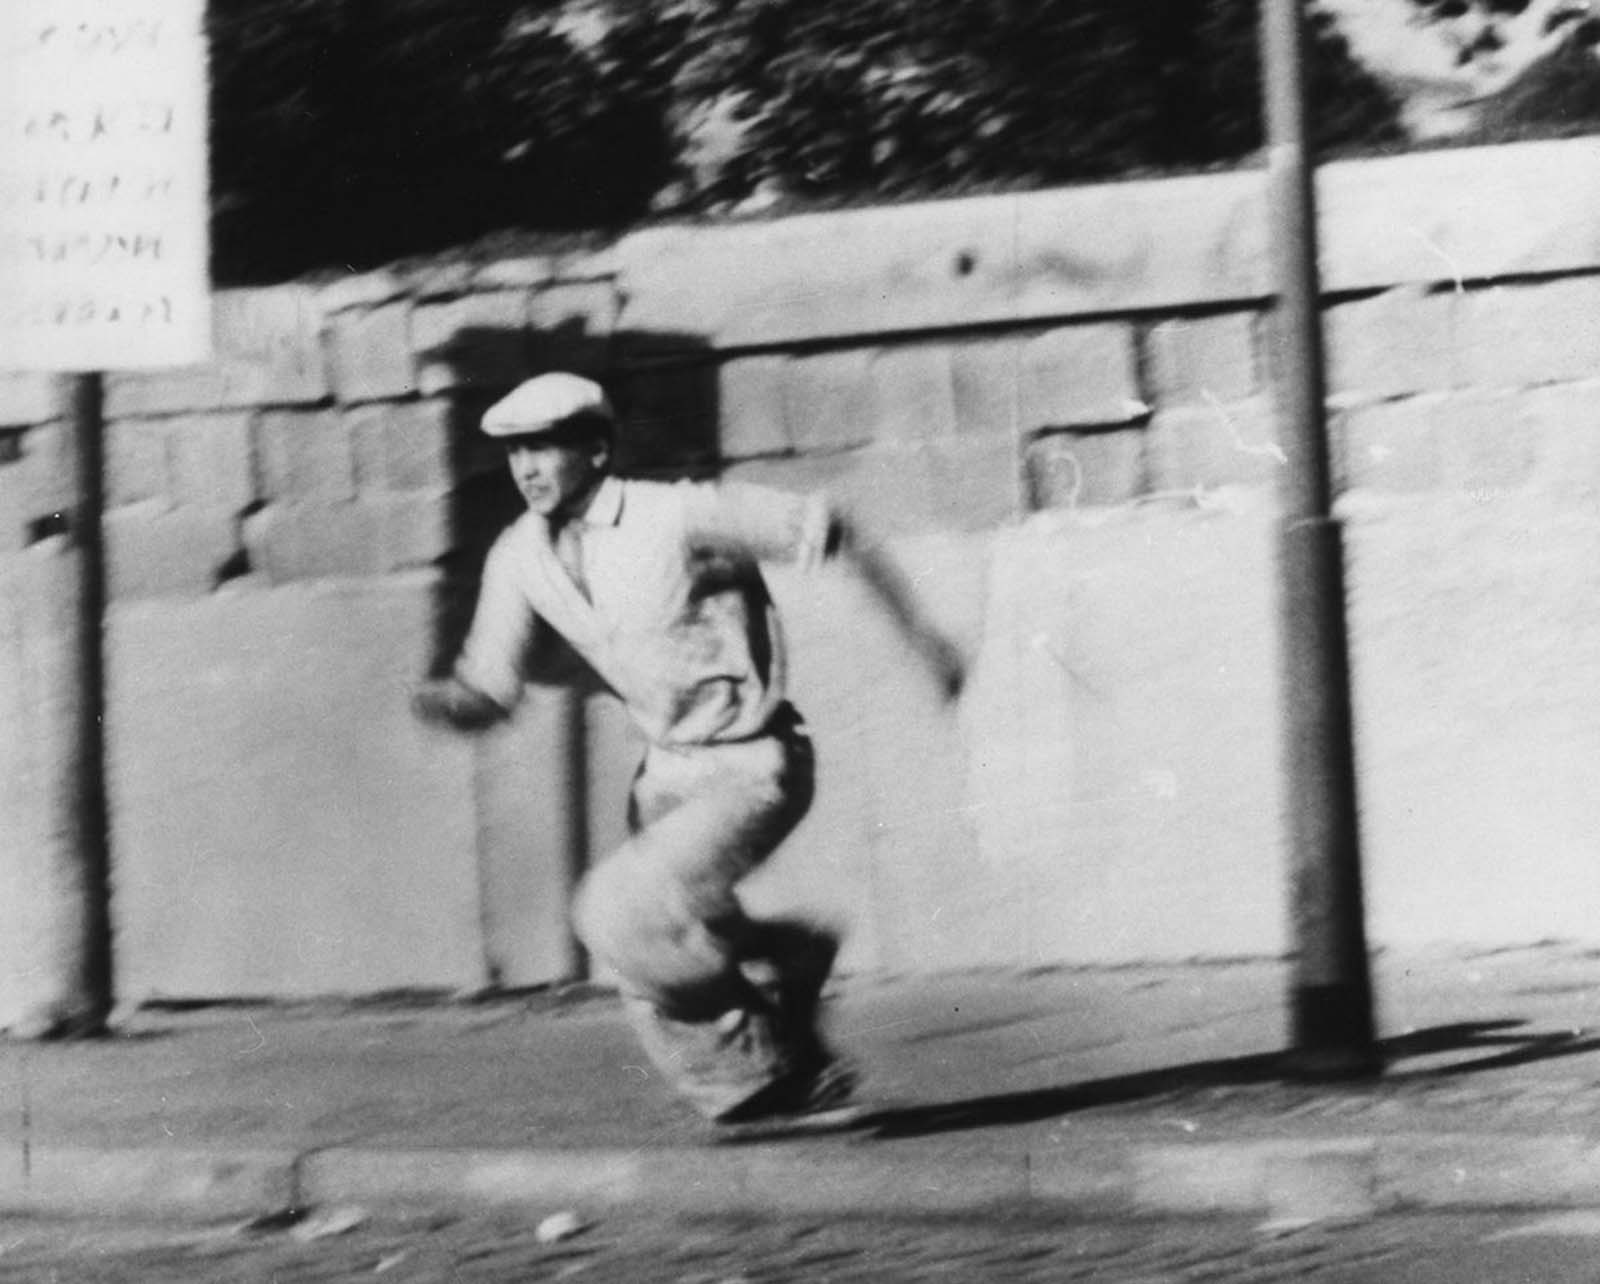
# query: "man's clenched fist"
x,y
451,702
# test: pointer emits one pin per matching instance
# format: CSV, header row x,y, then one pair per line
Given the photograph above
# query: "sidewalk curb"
x,y
1309,1179
1299,1179
152,1181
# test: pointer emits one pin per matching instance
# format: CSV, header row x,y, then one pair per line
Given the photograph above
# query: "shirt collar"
x,y
605,509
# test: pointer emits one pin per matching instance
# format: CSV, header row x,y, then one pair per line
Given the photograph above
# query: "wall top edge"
x,y
1192,241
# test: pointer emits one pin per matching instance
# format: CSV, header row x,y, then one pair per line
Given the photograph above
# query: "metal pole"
x,y
1331,988
78,859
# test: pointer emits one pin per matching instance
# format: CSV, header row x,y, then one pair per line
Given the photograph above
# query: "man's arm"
x,y
770,525
889,586
487,681
807,530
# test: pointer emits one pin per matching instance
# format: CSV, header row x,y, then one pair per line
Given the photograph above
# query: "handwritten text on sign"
x,y
103,236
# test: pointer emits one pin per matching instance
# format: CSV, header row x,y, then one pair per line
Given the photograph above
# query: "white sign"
x,y
103,190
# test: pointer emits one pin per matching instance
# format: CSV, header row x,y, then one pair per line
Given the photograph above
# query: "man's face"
x,y
556,476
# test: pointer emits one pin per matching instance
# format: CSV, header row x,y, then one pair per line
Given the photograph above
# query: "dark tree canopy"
x,y
351,132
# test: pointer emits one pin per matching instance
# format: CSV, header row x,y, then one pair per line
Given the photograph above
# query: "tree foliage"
x,y
349,132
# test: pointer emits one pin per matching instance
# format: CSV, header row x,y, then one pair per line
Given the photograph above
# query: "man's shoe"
x,y
809,1099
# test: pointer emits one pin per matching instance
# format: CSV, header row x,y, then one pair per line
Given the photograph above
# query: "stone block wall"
x,y
285,527
1053,410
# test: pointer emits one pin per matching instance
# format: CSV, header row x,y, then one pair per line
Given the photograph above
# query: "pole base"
x,y
1333,1035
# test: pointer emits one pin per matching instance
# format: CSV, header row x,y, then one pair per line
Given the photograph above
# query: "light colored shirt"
x,y
677,619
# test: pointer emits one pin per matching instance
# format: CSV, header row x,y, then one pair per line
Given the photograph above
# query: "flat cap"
x,y
543,403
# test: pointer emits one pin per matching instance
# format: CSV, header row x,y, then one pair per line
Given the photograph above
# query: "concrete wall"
x,y
1052,407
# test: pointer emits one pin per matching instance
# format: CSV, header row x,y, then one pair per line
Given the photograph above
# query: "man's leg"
x,y
663,914
789,961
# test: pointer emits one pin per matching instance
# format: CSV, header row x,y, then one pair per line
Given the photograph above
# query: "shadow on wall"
x,y
664,388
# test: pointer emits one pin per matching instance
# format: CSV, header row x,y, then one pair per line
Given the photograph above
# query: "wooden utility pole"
x,y
1331,988
77,859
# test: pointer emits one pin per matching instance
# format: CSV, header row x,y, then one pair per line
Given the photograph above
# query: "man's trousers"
x,y
725,1005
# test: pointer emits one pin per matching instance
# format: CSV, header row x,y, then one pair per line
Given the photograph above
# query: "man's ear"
x,y
601,455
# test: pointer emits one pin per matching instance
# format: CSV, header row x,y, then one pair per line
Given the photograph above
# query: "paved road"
x,y
1491,1248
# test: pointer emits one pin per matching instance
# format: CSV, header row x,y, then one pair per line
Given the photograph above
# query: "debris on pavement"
x,y
560,1226
328,1222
